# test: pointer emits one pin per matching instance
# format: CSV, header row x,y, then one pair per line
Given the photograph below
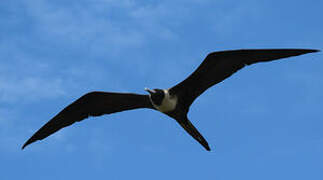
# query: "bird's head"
x,y
156,95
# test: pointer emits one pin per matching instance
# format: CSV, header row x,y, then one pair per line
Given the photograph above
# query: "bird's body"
x,y
175,101
168,102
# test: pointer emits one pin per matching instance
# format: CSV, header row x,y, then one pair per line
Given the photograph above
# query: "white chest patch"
x,y
168,104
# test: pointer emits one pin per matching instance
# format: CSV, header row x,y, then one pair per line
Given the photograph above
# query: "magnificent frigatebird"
x,y
174,102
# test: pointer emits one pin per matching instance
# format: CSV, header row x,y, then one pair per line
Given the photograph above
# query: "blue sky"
x,y
265,122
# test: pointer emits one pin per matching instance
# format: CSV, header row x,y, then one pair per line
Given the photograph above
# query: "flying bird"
x,y
175,101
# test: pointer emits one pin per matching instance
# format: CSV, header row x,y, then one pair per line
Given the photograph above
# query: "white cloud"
x,y
109,25
29,88
94,25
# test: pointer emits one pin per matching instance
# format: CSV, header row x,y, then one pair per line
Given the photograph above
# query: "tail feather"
x,y
190,129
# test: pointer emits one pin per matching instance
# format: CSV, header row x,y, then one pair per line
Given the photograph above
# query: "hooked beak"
x,y
149,90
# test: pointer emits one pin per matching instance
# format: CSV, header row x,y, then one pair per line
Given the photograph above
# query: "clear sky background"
x,y
265,122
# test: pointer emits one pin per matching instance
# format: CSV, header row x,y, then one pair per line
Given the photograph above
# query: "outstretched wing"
x,y
218,66
190,129
91,104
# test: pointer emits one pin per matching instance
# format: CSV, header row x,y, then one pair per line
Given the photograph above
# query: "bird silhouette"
x,y
175,101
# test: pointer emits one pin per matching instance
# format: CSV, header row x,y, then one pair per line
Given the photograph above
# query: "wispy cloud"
x,y
29,88
97,24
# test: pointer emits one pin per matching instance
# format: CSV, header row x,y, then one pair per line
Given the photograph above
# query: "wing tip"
x,y
312,50
31,140
207,148
23,146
